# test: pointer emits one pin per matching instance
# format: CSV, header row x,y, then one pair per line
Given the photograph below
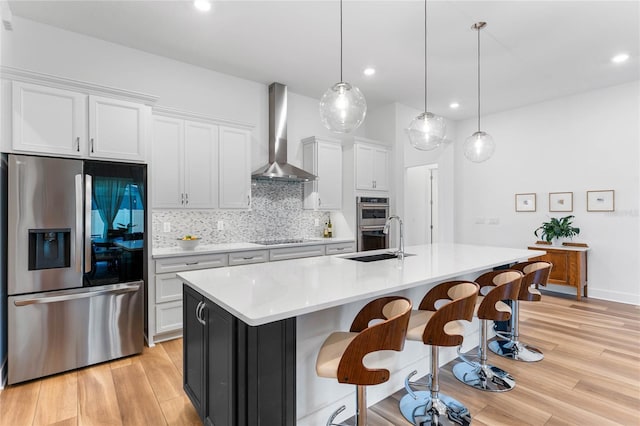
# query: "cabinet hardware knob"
x,y
78,144
191,263
248,200
186,198
91,144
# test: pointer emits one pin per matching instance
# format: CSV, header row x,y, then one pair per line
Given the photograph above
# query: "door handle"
x,y
91,144
78,144
83,294
87,223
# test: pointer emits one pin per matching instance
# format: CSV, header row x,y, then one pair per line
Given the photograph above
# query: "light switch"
x,y
220,225
166,227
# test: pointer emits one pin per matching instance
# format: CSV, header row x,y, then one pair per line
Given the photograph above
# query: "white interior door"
x,y
421,205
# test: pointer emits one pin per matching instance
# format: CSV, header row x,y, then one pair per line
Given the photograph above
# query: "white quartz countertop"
x,y
232,247
266,292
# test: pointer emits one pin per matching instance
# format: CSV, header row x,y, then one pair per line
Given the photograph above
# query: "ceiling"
x,y
531,50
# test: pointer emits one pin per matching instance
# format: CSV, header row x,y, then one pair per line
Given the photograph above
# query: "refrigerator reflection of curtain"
x,y
108,193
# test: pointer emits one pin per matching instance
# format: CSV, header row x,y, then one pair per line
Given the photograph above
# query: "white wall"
x,y
588,141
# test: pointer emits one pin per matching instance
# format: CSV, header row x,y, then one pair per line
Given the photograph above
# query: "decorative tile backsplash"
x,y
276,213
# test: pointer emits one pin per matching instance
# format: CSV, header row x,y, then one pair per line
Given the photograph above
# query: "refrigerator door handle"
x,y
119,289
87,223
79,216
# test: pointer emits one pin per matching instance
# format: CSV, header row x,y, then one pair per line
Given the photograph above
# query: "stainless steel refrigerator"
x,y
76,258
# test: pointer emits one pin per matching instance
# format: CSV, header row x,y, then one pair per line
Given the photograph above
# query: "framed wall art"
x,y
561,201
601,201
526,202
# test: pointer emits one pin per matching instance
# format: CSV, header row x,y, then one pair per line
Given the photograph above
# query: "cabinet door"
x,y
364,164
48,120
166,163
235,175
116,129
193,350
221,356
329,176
380,166
200,165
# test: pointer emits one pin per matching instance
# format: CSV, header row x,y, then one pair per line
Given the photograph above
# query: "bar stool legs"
x,y
481,375
431,407
511,347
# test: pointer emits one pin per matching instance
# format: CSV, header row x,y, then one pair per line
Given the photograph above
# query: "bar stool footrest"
x,y
424,411
515,350
484,377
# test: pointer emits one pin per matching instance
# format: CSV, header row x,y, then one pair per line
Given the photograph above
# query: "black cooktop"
x,y
275,242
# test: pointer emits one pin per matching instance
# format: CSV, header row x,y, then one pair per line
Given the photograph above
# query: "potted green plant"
x,y
557,228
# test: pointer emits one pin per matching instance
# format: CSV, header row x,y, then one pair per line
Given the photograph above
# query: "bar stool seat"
x,y
342,353
438,322
496,286
509,345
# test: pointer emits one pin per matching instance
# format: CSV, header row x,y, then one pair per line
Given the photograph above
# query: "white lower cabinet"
x,y
340,248
165,304
165,301
295,252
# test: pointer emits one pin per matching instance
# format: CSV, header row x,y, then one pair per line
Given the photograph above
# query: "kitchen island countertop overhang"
x,y
262,293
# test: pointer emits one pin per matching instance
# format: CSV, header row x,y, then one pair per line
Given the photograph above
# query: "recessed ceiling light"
x,y
202,5
620,58
454,105
369,71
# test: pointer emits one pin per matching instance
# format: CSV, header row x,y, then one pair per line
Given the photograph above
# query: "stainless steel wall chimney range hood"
x,y
278,168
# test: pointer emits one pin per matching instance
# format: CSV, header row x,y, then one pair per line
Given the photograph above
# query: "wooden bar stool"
x,y
508,345
495,286
341,355
438,322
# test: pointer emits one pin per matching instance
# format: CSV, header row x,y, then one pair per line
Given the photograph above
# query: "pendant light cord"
x,y
341,41
478,29
425,56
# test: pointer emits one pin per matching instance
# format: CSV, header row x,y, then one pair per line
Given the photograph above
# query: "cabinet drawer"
x,y
246,257
295,252
188,263
168,288
338,248
168,316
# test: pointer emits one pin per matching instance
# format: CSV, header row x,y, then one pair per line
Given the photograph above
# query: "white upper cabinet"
x,y
323,158
234,170
167,162
48,120
116,129
372,167
185,164
201,165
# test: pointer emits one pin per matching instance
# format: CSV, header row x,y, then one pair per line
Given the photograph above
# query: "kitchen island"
x,y
263,324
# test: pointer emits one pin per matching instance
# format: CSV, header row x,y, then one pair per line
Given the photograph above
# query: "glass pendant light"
x,y
479,146
342,107
426,131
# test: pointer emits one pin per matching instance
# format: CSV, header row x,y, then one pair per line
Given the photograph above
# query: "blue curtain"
x,y
108,193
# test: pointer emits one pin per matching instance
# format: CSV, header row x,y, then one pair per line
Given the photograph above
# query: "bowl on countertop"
x,y
188,244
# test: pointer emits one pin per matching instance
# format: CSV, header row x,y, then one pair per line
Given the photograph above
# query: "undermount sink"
x,y
375,257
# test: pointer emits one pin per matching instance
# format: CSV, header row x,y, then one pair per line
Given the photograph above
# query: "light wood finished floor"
x,y
590,376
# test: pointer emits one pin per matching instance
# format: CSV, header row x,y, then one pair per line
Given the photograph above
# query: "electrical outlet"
x,y
220,225
166,227
494,221
316,222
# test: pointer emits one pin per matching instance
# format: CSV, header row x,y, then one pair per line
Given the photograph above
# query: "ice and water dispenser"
x,y
49,248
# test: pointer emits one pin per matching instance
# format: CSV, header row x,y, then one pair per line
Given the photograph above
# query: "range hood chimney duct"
x,y
278,168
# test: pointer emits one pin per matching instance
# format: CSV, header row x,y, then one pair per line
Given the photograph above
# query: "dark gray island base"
x,y
236,374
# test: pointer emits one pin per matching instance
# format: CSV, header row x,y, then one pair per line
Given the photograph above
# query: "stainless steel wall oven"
x,y
372,214
75,263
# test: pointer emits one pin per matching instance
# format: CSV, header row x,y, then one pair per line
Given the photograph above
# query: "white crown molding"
x,y
27,76
188,115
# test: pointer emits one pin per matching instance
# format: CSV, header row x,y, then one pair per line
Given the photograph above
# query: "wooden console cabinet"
x,y
569,265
